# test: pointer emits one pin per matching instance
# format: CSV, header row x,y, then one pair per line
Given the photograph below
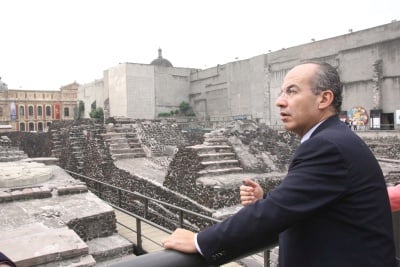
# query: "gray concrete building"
x,y
368,62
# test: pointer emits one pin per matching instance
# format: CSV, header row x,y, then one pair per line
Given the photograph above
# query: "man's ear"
x,y
326,99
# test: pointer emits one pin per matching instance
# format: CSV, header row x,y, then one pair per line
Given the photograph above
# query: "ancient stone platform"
x,y
51,219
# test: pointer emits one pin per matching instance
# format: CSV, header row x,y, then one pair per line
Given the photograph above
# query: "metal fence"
x,y
98,188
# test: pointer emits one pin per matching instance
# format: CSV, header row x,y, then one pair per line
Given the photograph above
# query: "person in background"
x,y
394,197
330,210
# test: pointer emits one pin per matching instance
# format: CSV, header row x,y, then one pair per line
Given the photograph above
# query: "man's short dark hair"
x,y
327,78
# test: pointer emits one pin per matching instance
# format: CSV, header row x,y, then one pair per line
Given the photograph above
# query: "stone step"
x,y
81,261
11,152
135,145
112,134
110,247
220,171
216,141
220,163
128,155
204,149
38,245
120,150
12,158
126,150
215,156
118,145
117,140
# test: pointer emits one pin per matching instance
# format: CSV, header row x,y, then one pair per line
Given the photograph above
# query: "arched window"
x,y
66,112
21,111
48,111
31,126
22,127
39,111
30,110
40,126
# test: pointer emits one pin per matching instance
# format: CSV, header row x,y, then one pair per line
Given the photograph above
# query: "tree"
x,y
97,113
79,110
184,107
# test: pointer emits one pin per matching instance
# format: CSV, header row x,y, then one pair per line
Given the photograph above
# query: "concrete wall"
x,y
246,88
117,90
171,88
140,91
209,92
90,92
354,55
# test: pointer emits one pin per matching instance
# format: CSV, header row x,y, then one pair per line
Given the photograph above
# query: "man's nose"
x,y
280,101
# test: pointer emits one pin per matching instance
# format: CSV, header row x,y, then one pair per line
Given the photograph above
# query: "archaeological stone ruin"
x,y
196,168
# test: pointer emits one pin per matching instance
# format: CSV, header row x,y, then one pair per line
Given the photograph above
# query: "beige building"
x,y
34,111
138,91
368,61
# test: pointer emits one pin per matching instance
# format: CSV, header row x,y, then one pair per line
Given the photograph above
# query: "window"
x,y
22,127
31,126
39,111
21,111
40,127
66,112
1,112
48,111
30,110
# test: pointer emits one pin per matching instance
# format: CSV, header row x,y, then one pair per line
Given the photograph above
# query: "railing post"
x,y
146,207
180,218
267,258
119,198
99,189
139,236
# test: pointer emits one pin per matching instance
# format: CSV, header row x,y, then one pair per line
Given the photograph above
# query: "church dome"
x,y
160,61
3,86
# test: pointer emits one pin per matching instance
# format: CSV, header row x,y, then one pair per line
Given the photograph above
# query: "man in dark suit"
x,y
332,208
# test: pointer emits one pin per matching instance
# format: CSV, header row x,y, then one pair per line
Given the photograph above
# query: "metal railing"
x,y
164,258
98,189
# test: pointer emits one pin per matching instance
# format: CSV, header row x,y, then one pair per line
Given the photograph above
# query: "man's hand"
x,y
250,192
181,240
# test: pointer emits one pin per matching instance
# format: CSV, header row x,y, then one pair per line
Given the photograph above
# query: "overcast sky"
x,y
45,44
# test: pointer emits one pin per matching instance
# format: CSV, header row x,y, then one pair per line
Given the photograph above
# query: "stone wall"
x,y
264,149
157,135
33,144
261,151
385,147
97,163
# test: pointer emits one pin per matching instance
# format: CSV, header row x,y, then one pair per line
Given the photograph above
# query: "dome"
x,y
3,86
160,61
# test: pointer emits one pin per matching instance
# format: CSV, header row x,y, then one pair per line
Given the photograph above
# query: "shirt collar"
x,y
309,133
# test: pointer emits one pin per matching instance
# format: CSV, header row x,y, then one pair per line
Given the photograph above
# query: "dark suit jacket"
x,y
4,259
331,209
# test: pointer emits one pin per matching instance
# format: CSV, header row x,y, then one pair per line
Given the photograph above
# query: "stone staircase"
x,y
217,156
123,143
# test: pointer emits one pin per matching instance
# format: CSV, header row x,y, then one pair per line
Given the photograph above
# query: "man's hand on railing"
x,y
250,192
181,240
